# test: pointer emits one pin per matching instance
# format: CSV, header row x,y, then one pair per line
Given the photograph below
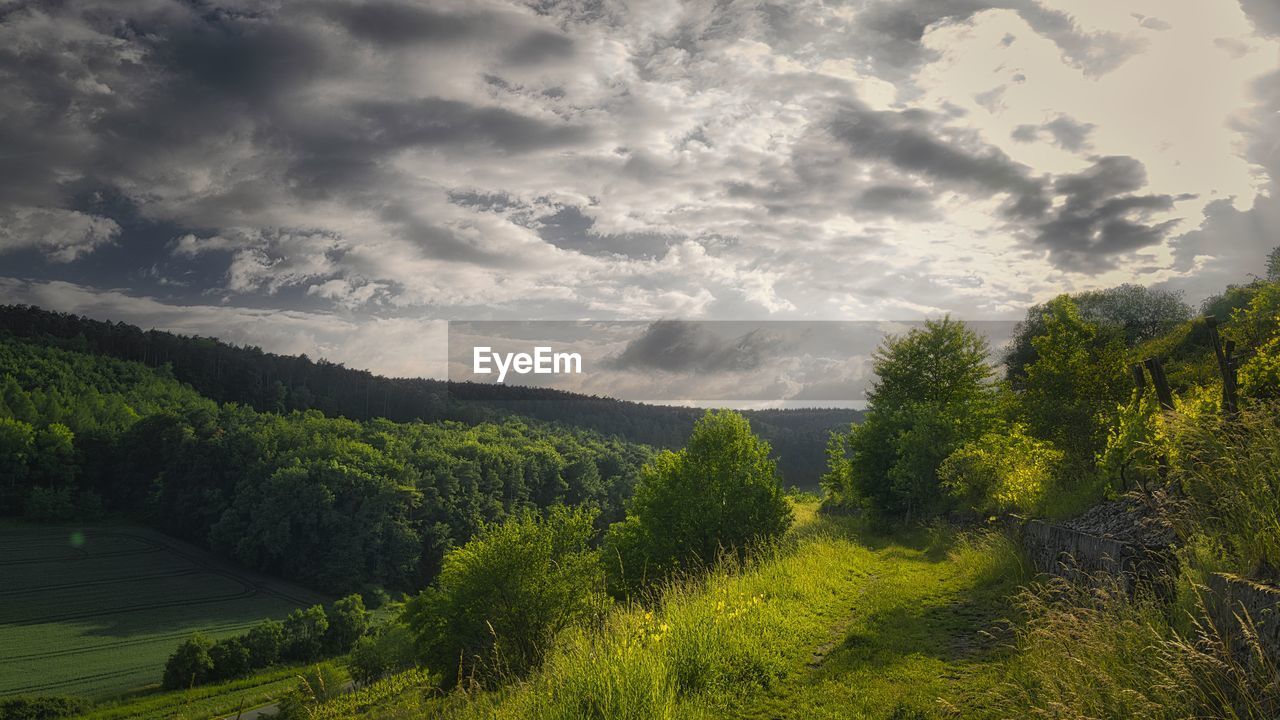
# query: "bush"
x,y
230,660
62,505
387,650
719,493
1001,472
190,664
318,685
502,597
348,621
304,632
265,643
41,707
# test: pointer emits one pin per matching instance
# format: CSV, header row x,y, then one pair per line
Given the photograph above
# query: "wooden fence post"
x,y
1227,365
1139,380
1161,383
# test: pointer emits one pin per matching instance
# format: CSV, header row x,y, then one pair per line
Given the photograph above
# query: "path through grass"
x,y
836,623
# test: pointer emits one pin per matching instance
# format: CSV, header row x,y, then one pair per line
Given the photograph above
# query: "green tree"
x,y
502,597
190,664
348,621
54,460
933,392
16,402
1132,313
230,660
304,632
388,649
1273,265
1002,471
264,642
1074,388
17,444
720,493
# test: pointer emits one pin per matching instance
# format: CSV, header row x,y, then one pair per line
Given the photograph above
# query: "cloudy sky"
x,y
340,178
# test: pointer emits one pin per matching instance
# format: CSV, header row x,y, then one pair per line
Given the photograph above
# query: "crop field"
x,y
96,611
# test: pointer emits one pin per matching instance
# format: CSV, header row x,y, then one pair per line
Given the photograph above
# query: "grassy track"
x,y
836,623
95,611
210,701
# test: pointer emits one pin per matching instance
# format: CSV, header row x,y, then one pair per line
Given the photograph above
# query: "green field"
x,y
95,611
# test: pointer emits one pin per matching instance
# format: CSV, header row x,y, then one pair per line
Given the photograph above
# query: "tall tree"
x,y
720,493
933,392
1076,384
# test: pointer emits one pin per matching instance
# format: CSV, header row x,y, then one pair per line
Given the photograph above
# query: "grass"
x,y
95,611
205,701
834,622
1097,652
1228,472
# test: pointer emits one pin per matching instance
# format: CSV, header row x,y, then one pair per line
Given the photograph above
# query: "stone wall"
x,y
1059,550
1238,607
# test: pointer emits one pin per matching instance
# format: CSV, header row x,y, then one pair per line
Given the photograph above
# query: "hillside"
x,y
336,504
278,383
838,621
95,610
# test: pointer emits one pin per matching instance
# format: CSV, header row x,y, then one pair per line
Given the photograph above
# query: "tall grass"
x,y
1230,473
704,643
1097,652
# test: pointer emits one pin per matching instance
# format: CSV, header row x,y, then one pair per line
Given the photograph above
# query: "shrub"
x,y
190,664
317,685
62,505
1006,471
348,620
389,649
230,660
41,707
304,632
719,493
264,642
502,597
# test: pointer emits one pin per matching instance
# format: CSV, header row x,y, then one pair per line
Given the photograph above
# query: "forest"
x,y
333,503
279,383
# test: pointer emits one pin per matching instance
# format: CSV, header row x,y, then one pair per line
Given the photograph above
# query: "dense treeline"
x,y
334,503
280,383
1066,426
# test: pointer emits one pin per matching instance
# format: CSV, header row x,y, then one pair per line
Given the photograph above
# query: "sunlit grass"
x,y
832,622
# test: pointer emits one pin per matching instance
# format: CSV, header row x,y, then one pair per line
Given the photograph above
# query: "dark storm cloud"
x,y
900,201
1265,15
890,33
441,243
1099,216
540,47
439,122
911,141
682,347
1067,133
568,228
402,23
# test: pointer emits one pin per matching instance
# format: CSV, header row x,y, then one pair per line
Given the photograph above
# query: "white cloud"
x,y
60,235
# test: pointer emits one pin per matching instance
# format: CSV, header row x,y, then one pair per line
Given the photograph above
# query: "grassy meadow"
x,y
834,622
95,611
